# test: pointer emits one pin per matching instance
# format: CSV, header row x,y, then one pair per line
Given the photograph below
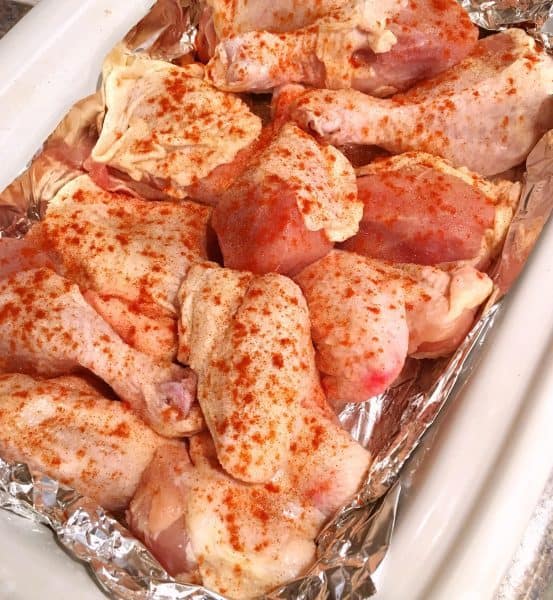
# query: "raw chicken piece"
x,y
486,113
247,338
379,48
66,429
165,127
317,55
48,328
358,325
222,18
367,315
432,36
294,200
244,540
130,254
441,306
419,209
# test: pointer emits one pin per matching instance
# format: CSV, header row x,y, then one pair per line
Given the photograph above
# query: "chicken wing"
x,y
48,328
419,209
486,113
247,338
287,208
130,255
165,127
66,429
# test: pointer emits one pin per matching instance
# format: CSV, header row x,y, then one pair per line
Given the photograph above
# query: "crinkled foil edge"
x,y
353,545
536,16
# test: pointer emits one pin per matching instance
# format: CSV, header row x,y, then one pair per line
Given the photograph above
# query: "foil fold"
x,y
536,16
393,426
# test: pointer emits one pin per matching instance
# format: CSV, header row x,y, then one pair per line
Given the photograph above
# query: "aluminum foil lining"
x,y
536,16
392,425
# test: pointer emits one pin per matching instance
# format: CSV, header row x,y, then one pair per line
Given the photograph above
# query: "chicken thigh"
x,y
66,429
486,113
419,209
248,340
287,208
129,254
166,128
378,48
244,540
358,324
368,315
48,328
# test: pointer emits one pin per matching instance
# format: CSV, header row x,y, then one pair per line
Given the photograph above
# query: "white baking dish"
x,y
467,511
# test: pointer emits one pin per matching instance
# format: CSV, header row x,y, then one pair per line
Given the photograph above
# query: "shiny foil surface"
x,y
536,16
392,426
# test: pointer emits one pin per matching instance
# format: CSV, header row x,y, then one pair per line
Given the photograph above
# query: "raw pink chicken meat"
x,y
243,540
419,209
66,429
295,199
375,47
130,256
368,315
486,113
358,324
48,328
248,340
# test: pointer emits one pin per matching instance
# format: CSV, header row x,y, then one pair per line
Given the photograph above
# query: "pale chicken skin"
x,y
295,199
248,340
48,328
130,256
378,48
66,429
486,113
441,306
358,325
419,209
244,540
165,128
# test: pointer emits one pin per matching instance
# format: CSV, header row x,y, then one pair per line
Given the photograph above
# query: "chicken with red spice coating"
x,y
368,315
165,129
419,209
486,113
68,430
238,539
376,47
248,340
48,328
128,255
220,19
358,325
288,207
